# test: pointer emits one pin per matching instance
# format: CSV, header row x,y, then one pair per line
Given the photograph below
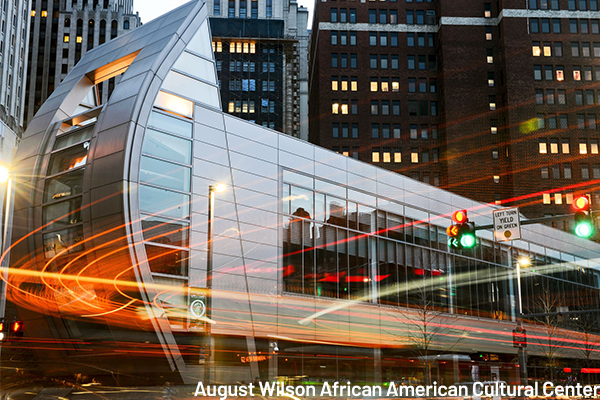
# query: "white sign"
x,y
507,225
198,308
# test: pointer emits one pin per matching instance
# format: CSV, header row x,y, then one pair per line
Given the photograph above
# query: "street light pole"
x,y
522,353
5,244
5,177
209,267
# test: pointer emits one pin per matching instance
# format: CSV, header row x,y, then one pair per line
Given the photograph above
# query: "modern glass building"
x,y
323,267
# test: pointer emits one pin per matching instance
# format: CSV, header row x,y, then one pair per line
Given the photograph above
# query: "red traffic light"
x,y
581,203
17,326
460,217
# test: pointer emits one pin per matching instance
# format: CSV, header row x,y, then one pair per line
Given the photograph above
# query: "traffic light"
x,y
2,333
584,224
16,329
462,232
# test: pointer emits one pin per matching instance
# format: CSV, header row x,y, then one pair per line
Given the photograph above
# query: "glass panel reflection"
x,y
161,173
69,159
168,261
167,146
172,297
65,185
74,137
64,242
62,214
164,202
165,231
170,124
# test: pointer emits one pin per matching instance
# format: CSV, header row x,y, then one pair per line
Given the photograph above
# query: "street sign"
x,y
507,224
520,339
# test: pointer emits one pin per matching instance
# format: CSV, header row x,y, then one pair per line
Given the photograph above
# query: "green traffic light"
x,y
584,229
467,241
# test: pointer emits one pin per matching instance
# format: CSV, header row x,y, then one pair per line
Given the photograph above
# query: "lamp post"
x,y
5,177
522,353
212,189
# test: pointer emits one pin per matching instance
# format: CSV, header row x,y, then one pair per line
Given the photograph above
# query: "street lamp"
x,y
212,189
5,177
522,353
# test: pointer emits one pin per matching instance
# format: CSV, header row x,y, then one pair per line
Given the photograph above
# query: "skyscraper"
x,y
14,39
261,49
494,100
61,33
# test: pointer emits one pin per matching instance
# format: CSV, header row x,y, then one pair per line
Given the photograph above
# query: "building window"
x,y
585,172
544,173
543,146
496,178
546,198
414,156
375,155
583,147
66,38
567,171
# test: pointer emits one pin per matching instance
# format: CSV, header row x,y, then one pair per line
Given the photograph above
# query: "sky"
x,y
150,9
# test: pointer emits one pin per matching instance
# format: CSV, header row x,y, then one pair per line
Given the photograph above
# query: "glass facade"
x,y
337,248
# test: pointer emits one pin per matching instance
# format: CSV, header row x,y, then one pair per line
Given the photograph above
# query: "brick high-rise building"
x,y
61,33
495,100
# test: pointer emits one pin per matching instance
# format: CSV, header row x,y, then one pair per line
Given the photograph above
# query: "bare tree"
x,y
545,301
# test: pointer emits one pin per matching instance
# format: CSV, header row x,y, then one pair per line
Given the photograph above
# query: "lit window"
x,y
238,47
387,157
491,83
546,198
231,106
345,109
344,85
496,178
560,75
569,198
547,50
488,36
576,74
397,156
554,147
385,86
492,106
334,85
79,39
395,86
374,85
375,156
354,86
594,147
543,148
33,13
246,47
490,59
536,49
582,148
44,14
414,157
565,147
252,48
66,39
557,198
494,130
217,47
335,108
